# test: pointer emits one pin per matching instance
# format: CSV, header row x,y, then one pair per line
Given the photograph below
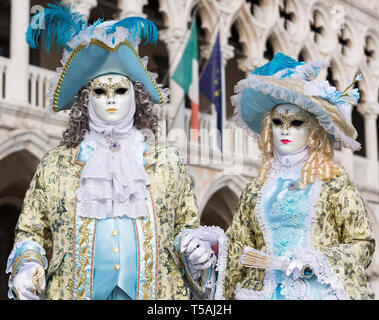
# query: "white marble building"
x,y
342,32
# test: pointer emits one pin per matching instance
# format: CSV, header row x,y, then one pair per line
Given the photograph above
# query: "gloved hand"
x,y
294,269
298,269
196,244
29,282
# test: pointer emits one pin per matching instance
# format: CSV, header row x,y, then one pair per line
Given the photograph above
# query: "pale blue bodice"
x,y
287,212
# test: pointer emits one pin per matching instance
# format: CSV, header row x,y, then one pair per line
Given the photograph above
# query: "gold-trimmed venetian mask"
x,y
109,89
289,119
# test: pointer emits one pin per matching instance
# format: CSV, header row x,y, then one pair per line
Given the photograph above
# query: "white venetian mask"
x,y
111,97
290,128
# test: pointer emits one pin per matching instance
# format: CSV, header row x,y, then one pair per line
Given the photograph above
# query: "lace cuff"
x,y
322,270
24,252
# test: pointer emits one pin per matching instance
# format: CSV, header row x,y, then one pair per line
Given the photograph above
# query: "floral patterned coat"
x,y
49,218
342,243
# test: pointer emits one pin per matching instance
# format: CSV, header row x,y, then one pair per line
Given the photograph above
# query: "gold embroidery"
x,y
27,255
156,240
148,258
286,120
82,258
108,89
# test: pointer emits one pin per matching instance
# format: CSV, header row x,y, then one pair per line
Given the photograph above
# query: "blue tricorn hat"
x,y
92,50
285,80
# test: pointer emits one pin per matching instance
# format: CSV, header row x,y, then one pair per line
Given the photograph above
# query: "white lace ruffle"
x,y
113,184
289,96
299,289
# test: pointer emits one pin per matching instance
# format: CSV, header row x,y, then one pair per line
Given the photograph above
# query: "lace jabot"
x,y
113,181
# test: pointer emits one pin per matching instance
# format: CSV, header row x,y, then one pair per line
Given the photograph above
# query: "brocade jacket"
x,y
49,218
340,245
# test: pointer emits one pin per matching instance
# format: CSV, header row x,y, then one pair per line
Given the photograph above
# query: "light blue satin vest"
x,y
115,254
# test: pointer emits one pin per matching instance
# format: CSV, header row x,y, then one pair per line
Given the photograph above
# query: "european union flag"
x,y
211,83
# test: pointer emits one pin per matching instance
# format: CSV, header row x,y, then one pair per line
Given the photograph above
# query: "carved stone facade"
x,y
343,33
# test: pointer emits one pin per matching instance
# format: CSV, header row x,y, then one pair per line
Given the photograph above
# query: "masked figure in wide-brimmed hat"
x,y
300,230
110,212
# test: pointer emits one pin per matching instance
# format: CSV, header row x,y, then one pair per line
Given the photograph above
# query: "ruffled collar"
x,y
289,166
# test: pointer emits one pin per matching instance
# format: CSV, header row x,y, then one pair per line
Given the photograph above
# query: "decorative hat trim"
x,y
62,71
285,80
258,83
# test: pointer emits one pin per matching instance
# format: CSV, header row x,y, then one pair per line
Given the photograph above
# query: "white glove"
x,y
298,268
29,281
294,269
199,251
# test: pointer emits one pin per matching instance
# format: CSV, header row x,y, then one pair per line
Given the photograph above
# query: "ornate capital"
x,y
172,37
227,53
83,6
249,64
369,110
131,8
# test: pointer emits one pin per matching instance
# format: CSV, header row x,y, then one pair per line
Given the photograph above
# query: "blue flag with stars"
x,y
210,82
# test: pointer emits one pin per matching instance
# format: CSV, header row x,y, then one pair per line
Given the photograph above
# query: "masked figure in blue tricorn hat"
x,y
109,214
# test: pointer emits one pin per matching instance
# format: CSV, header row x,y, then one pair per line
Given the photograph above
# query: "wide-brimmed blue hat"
x,y
285,80
92,50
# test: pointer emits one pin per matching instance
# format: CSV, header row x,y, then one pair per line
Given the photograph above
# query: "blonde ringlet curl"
x,y
320,162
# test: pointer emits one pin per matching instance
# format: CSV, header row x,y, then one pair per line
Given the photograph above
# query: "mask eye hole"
x,y
277,122
297,123
121,91
99,91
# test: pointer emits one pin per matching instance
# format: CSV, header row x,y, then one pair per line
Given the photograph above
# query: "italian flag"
x,y
186,75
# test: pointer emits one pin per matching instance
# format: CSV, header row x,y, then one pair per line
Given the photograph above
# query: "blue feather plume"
x,y
59,25
278,63
138,27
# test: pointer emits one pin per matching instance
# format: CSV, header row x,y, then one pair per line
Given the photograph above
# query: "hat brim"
x,y
88,62
257,95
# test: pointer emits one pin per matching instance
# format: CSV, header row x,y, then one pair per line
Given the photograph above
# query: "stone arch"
x,y
348,40
320,17
248,38
31,141
274,44
220,200
371,51
233,73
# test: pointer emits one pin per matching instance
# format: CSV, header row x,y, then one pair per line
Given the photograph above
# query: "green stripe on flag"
x,y
183,72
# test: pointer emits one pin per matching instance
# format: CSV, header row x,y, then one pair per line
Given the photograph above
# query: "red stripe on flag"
x,y
194,121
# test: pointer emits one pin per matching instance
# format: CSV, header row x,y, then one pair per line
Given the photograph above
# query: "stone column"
x,y
371,143
19,51
83,6
131,8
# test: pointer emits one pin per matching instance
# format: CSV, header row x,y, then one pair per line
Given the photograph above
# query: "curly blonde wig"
x,y
319,164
